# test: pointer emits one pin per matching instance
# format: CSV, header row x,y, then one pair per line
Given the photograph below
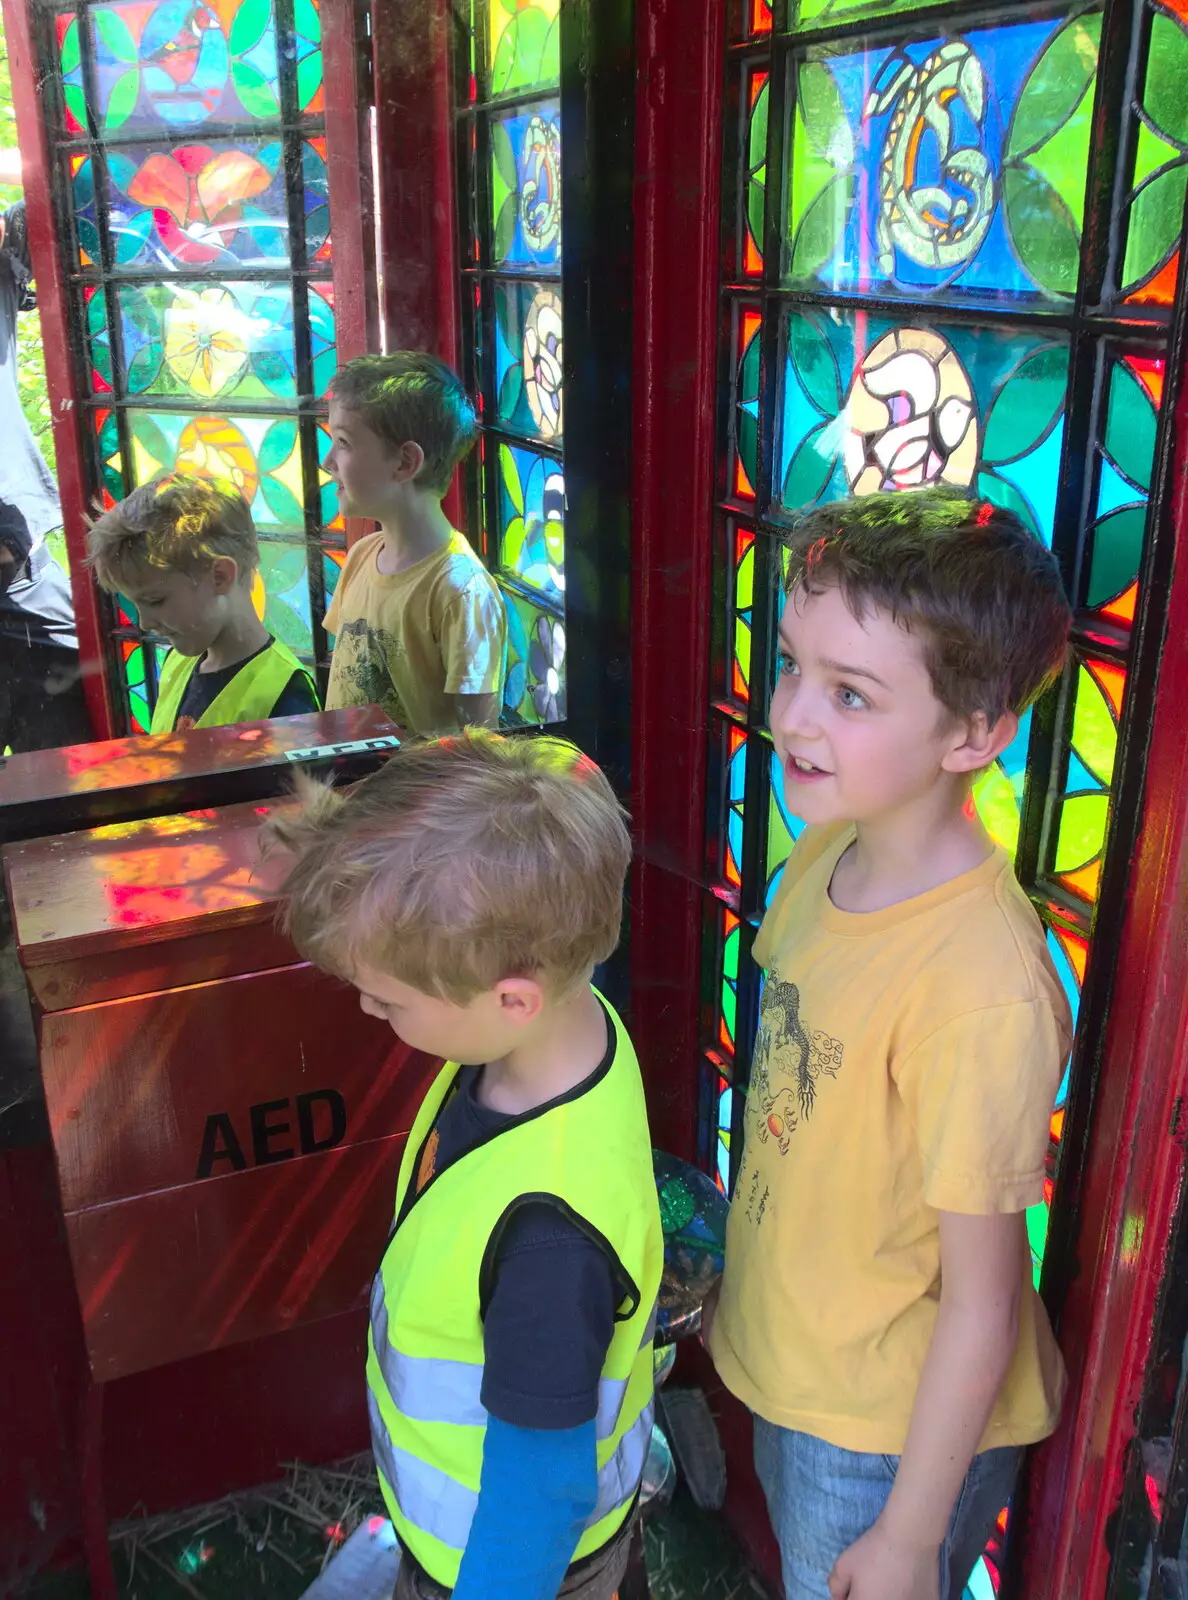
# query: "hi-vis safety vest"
x,y
591,1157
249,697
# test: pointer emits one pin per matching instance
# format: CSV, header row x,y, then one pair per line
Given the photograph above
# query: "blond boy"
x,y
183,550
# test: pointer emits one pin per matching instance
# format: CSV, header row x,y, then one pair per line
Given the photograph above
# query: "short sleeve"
x,y
473,640
980,1092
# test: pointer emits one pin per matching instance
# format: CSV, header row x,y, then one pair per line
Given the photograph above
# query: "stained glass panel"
x,y
823,13
284,589
783,830
70,66
260,455
755,89
1084,804
213,205
867,405
524,45
532,520
744,465
1126,453
526,187
952,165
740,615
529,358
534,688
1155,205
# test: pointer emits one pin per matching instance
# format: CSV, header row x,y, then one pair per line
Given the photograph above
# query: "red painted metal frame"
x,y
349,166
1135,1165
415,181
679,49
59,368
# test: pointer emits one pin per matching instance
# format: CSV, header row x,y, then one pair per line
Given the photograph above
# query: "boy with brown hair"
x,y
183,550
877,1312
418,622
468,890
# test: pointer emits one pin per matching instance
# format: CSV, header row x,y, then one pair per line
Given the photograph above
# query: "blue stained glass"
x,y
532,520
1068,978
526,187
954,163
980,1585
867,404
1113,491
529,358
725,1115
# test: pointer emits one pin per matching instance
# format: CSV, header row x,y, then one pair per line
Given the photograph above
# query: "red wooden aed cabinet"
x,y
227,1123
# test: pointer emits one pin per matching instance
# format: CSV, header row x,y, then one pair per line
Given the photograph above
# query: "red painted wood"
x,y
115,767
187,1270
416,183
130,1085
1135,1164
47,255
98,914
678,114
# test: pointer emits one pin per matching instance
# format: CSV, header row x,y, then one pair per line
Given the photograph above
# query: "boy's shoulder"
x,y
462,571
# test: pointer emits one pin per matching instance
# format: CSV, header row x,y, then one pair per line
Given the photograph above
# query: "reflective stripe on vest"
x,y
430,1389
249,697
444,1508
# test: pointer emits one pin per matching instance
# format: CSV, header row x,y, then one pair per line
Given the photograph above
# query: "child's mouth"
x,y
802,771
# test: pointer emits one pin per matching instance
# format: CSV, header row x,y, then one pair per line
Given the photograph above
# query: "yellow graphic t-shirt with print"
x,y
413,640
906,1063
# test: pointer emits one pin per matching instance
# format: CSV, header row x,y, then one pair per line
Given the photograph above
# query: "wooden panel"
x,y
85,784
102,911
154,1092
193,1269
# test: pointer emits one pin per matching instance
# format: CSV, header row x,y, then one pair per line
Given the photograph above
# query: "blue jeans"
x,y
822,1498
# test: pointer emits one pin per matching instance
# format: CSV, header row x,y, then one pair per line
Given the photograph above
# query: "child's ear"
x,y
407,461
983,740
520,999
223,574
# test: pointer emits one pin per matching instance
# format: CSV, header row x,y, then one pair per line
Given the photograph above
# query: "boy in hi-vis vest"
x,y
468,890
183,550
877,1312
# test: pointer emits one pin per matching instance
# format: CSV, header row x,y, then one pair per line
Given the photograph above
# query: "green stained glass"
x,y
743,583
783,829
1084,806
524,44
532,520
261,456
823,13
209,342
955,166
526,187
529,358
1160,181
751,254
534,686
285,577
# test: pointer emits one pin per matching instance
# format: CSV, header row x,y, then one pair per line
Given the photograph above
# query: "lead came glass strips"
x,y
515,340
951,257
194,159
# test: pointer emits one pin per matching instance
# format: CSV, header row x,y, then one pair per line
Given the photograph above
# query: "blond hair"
x,y
409,395
179,522
461,862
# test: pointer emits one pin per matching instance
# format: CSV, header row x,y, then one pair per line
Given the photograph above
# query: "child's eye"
x,y
785,665
851,700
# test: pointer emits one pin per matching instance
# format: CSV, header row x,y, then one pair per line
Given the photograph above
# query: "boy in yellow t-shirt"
x,y
877,1312
419,625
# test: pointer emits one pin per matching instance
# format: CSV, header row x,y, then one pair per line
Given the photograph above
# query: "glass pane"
x,y
532,520
726,1098
866,404
206,341
998,791
282,586
331,517
106,435
783,829
529,357
332,565
534,689
744,468
730,804
754,184
1156,203
180,63
260,455
1125,457
307,51
526,187
742,585
950,167
70,66
1084,805
201,205
824,13
524,45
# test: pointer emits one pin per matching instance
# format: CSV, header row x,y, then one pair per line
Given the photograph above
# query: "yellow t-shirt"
x,y
411,641
906,1063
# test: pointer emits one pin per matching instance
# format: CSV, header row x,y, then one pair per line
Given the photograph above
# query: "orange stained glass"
x,y
751,320
1149,373
1084,882
1111,680
752,260
1161,290
1123,608
760,16
1075,947
1056,1126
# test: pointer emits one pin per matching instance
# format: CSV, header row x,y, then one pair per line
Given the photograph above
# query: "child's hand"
x,y
877,1567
